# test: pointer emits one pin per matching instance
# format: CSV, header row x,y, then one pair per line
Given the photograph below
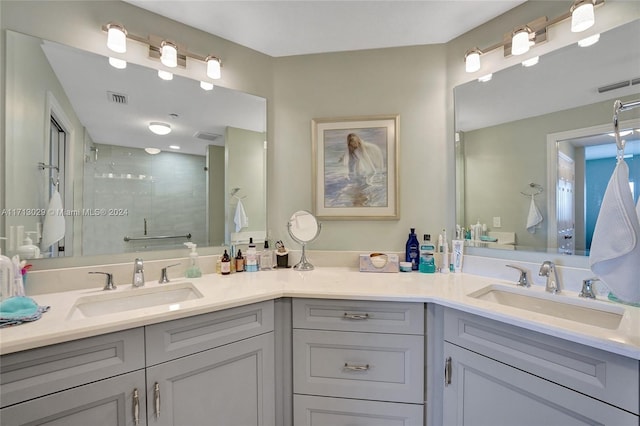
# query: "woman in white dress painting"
x,y
364,160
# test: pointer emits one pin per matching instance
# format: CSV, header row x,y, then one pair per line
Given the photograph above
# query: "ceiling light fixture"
x,y
205,85
174,147
152,151
531,62
522,38
589,41
160,128
116,38
165,75
582,15
117,63
169,53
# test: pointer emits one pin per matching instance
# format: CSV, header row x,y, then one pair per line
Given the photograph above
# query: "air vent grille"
x,y
618,85
206,136
117,98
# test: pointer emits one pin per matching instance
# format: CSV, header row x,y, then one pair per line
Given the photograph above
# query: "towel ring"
x,y
538,190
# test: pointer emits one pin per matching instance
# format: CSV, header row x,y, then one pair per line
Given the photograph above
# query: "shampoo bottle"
x,y
193,270
412,251
251,261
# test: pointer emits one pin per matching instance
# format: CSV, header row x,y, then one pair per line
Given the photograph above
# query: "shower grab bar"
x,y
158,237
619,107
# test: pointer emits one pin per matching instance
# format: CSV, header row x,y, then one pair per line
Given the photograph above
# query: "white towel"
x,y
534,218
615,251
240,218
53,227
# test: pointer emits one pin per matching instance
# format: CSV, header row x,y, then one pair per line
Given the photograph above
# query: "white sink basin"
x,y
583,311
136,298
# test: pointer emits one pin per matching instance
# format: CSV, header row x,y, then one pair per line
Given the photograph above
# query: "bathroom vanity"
x,y
329,346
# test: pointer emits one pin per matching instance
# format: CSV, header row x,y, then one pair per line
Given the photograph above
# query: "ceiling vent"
x,y
206,136
618,85
117,98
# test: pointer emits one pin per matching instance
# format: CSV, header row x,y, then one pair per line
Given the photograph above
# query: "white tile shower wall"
x,y
168,190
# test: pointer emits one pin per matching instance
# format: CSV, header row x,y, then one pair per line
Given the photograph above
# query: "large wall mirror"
x,y
539,139
78,127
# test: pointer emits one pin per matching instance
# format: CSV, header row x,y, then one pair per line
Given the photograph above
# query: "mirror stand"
x,y
304,264
303,228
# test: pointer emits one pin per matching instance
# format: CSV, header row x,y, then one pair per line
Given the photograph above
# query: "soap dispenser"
x,y
28,250
193,270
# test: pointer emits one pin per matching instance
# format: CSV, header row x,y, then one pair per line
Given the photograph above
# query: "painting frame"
x,y
356,177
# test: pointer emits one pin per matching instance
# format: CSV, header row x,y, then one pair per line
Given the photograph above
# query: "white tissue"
x,y
615,251
240,218
534,218
53,228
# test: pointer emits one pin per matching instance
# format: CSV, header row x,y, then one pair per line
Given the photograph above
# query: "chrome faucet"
x,y
548,269
523,281
138,273
588,288
108,284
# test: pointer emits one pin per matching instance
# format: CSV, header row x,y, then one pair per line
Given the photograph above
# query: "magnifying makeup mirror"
x,y
303,228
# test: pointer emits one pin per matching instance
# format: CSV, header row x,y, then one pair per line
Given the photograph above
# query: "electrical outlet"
x,y
497,222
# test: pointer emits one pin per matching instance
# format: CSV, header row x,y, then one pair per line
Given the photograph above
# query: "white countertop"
x,y
222,292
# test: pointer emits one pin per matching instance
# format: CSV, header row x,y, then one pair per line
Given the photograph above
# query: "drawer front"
x,y
37,372
611,378
383,367
358,315
178,338
321,411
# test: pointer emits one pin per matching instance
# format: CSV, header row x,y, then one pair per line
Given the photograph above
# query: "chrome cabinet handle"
x,y
356,367
136,407
156,399
356,316
447,371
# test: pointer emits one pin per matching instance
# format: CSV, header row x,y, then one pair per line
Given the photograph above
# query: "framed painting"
x,y
355,167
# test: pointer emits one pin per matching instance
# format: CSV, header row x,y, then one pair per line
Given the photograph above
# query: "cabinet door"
x,y
484,392
322,411
109,402
232,385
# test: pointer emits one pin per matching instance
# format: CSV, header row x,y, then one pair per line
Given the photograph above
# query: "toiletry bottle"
x,y
239,261
251,261
28,250
427,260
225,264
412,251
193,270
6,277
266,257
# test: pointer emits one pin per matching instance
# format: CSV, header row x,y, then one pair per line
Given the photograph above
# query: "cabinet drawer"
x,y
178,338
37,372
321,411
609,377
383,367
358,315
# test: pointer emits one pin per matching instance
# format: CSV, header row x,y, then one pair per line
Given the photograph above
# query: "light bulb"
x,y
213,67
174,147
169,54
520,42
589,41
117,63
165,75
582,15
531,62
472,60
116,38
205,85
160,128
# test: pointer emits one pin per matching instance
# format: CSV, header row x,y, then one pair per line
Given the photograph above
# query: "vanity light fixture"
x,y
160,128
582,15
531,62
171,54
589,41
522,38
152,151
117,63
205,85
116,38
165,75
485,78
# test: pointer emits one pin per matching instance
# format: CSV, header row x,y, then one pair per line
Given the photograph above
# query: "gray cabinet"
x,y
498,374
357,363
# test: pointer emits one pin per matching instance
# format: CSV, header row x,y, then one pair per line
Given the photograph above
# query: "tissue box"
x,y
379,262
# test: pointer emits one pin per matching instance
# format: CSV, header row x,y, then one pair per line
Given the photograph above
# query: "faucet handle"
x,y
109,285
164,278
523,281
587,288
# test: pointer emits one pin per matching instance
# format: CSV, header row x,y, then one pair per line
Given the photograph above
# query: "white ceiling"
x,y
286,28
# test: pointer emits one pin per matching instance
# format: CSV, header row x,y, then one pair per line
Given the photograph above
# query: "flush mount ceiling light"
x,y
152,151
169,54
117,63
524,37
582,15
589,41
116,38
213,67
160,128
165,75
531,62
205,85
472,60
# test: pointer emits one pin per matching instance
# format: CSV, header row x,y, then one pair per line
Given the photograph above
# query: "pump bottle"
x,y
251,261
193,271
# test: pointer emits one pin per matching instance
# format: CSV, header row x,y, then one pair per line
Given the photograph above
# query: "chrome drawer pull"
x,y
356,316
136,408
354,367
156,399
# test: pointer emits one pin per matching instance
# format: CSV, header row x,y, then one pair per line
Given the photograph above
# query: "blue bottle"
x,y
412,252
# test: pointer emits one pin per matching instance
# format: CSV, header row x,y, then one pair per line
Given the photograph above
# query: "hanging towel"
x,y
534,218
615,248
53,227
240,218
